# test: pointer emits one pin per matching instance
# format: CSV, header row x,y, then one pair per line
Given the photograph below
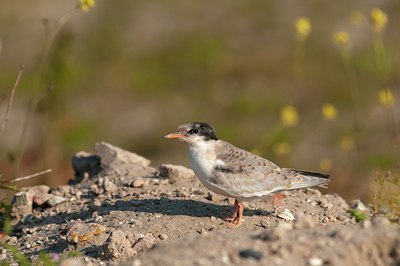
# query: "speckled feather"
x,y
246,176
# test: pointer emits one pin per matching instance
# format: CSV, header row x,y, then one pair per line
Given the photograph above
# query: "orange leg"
x,y
236,218
235,212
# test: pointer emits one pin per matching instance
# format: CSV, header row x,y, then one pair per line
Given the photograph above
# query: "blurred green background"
x,y
270,76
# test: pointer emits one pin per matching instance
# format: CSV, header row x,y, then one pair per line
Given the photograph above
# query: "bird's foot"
x,y
234,223
230,218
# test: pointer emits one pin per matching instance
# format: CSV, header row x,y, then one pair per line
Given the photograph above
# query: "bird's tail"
x,y
309,179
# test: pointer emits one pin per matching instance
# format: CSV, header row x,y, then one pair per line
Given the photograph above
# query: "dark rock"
x,y
84,164
251,254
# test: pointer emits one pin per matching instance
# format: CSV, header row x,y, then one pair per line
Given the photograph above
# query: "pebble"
x,y
251,254
202,231
286,215
325,204
110,186
357,204
163,236
138,182
314,261
56,200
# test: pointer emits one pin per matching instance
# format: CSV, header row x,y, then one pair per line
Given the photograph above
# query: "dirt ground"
x,y
120,210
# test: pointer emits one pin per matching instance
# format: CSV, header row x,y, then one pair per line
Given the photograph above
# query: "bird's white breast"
x,y
202,159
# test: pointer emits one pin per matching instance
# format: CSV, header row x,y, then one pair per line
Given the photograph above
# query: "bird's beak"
x,y
174,135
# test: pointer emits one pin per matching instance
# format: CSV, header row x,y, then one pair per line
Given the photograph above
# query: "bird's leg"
x,y
238,214
235,212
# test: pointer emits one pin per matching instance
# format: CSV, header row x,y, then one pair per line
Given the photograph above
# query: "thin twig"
x,y
10,100
30,176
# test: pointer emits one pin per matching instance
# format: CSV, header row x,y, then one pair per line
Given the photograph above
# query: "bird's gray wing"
x,y
244,174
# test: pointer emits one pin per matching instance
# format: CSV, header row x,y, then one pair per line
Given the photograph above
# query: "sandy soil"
x,y
121,210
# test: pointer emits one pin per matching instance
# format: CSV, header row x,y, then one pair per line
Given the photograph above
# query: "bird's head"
x,y
192,133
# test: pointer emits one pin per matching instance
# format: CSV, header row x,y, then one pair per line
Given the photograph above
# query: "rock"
x,y
145,242
138,182
40,194
175,172
22,203
112,156
163,236
251,254
357,204
268,235
85,163
120,245
79,232
56,200
96,189
286,215
109,186
314,261
324,203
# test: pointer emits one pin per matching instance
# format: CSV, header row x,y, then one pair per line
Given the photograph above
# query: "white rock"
x,y
286,215
56,200
314,261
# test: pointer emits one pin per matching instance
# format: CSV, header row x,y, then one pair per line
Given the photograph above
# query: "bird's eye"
x,y
194,131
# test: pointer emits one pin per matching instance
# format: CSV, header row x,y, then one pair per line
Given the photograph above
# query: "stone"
x,y
112,156
79,231
163,236
314,261
357,204
251,254
286,215
56,200
120,245
85,163
174,173
138,182
40,194
145,242
110,186
22,203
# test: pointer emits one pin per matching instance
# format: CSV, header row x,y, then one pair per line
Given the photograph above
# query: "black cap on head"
x,y
200,129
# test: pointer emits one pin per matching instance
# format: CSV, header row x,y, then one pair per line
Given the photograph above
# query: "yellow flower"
x,y
379,20
325,164
303,28
289,116
357,18
347,143
86,5
386,97
282,148
329,111
341,38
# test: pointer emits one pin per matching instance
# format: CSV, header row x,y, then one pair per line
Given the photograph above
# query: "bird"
x,y
236,173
